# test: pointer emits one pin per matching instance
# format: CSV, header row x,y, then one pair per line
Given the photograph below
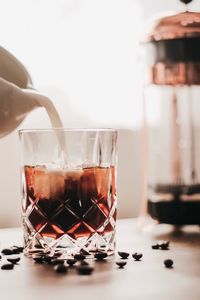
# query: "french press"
x,y
172,114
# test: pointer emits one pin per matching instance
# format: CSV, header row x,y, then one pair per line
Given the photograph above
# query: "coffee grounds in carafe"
x,y
175,204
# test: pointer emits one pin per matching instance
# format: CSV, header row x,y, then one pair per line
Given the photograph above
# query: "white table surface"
x,y
147,279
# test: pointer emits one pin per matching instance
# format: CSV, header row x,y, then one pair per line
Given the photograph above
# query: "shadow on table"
x,y
44,276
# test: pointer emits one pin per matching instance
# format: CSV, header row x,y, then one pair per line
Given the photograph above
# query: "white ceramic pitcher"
x,y
17,95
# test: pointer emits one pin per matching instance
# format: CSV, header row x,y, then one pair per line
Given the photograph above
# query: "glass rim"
x,y
21,131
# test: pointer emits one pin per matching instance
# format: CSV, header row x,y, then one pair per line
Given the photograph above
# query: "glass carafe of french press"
x,y
172,109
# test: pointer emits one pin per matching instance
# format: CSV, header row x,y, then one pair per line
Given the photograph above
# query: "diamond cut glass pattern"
x,y
82,208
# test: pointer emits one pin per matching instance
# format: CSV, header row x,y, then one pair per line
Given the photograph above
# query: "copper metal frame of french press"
x,y
174,47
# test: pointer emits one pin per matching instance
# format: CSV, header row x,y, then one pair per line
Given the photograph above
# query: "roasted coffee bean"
x,y
137,256
121,264
38,259
17,249
100,255
168,263
164,245
57,261
7,252
71,262
155,247
7,267
14,260
79,256
60,268
20,248
85,270
123,255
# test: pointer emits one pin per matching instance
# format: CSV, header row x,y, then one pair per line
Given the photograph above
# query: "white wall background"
x,y
84,55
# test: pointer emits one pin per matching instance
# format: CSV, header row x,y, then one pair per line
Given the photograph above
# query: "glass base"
x,y
67,247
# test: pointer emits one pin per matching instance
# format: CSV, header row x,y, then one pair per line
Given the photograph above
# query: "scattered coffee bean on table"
x,y
7,252
16,250
71,262
79,256
7,267
164,245
61,268
137,256
168,263
121,264
19,248
100,255
85,270
13,260
155,247
123,255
